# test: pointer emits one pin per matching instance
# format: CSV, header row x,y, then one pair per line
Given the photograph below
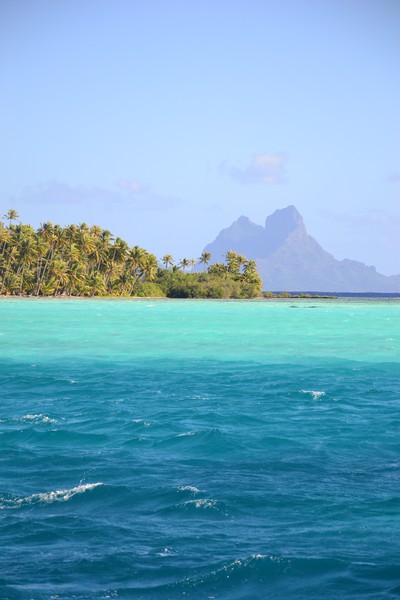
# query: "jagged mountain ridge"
x,y
288,258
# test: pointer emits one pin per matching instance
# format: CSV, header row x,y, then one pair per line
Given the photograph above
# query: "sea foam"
x,y
315,394
36,419
48,497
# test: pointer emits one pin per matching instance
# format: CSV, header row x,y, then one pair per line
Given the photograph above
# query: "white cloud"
x,y
264,169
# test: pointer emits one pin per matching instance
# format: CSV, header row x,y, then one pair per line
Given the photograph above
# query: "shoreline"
x,y
344,296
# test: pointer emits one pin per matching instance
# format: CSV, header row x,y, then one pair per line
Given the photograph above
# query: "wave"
x,y
189,488
165,575
283,576
201,503
40,418
196,506
212,440
141,422
34,418
315,394
47,497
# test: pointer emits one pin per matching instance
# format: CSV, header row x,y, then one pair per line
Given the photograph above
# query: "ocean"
x,y
227,450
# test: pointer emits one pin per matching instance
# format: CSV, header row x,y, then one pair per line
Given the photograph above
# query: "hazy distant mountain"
x,y
290,259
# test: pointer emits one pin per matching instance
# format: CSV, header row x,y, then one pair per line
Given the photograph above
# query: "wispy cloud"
x,y
264,169
127,192
394,177
377,220
370,235
131,185
59,193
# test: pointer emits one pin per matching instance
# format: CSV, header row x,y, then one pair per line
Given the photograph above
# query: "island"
x,y
83,260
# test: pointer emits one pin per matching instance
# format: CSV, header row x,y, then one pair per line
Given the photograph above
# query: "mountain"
x,y
289,259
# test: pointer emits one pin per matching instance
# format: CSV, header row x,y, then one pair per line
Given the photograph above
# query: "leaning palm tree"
x,y
6,239
134,266
27,253
46,238
150,266
204,259
60,273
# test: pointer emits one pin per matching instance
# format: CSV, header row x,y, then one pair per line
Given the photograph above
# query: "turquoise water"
x,y
199,449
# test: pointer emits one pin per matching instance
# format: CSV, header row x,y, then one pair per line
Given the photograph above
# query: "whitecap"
x,y
166,552
141,422
40,418
315,394
53,496
64,495
189,488
241,562
201,503
186,433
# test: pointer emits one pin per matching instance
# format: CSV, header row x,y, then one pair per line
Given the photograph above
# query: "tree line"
x,y
82,260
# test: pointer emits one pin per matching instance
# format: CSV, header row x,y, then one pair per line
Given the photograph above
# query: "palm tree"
x,y
204,259
119,250
5,240
184,263
95,285
150,266
104,243
5,236
26,251
167,260
250,273
217,268
234,262
49,237
135,265
76,279
61,275
11,215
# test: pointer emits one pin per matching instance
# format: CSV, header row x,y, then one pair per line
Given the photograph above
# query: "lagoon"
x,y
199,449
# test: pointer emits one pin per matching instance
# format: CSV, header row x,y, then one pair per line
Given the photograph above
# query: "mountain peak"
x,y
236,237
279,226
290,259
285,219
243,220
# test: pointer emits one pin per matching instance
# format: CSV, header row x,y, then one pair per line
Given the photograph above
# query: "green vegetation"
x,y
79,260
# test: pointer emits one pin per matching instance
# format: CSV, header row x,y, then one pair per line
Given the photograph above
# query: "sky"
x,y
165,120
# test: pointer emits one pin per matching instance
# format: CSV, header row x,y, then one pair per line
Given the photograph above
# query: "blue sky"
x,y
165,120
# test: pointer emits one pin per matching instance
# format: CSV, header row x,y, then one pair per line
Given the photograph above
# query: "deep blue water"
x,y
177,449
